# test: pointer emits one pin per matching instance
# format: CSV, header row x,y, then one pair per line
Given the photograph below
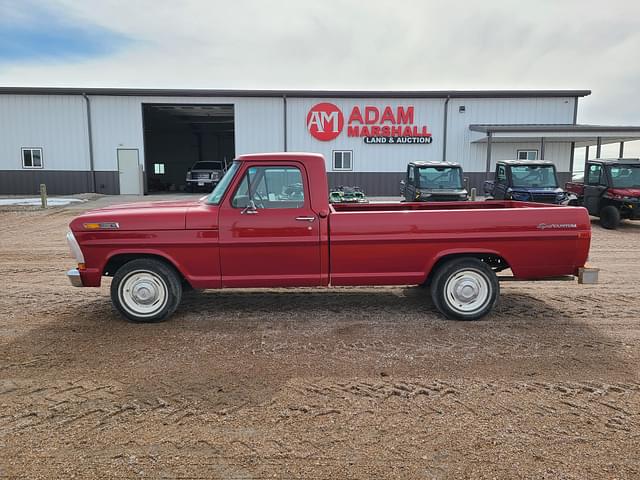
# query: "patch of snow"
x,y
35,202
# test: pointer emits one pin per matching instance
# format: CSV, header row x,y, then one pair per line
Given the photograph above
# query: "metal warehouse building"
x,y
134,141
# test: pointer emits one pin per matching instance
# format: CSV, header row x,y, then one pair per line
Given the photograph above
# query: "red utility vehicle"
x,y
268,223
611,191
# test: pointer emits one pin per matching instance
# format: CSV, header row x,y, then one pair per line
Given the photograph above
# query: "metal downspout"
x,y
444,129
90,137
284,106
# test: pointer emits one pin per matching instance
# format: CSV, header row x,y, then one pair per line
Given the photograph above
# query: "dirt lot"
x,y
357,383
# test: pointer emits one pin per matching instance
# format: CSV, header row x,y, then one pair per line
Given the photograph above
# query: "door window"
x,y
595,174
411,176
501,175
270,187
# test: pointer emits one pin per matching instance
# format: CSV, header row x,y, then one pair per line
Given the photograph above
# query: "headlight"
x,y
76,252
463,195
522,197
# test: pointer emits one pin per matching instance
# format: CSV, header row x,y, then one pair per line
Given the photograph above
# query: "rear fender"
x,y
491,256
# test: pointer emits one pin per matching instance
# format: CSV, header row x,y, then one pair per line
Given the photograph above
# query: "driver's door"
x,y
594,187
500,185
269,235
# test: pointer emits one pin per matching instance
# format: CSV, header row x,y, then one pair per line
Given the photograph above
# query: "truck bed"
x,y
379,244
413,206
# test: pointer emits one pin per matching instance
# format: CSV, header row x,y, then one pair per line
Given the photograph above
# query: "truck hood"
x,y
164,215
536,190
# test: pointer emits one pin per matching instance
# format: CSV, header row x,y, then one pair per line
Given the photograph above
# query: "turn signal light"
x,y
81,266
101,226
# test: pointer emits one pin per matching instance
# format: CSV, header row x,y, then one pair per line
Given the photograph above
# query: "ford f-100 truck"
x,y
253,230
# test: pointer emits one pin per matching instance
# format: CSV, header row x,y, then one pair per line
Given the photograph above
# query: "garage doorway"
x,y
179,136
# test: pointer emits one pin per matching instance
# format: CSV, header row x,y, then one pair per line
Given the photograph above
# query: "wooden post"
x,y
43,195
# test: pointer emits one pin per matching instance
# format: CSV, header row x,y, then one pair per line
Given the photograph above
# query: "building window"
x,y
527,154
342,160
32,158
158,168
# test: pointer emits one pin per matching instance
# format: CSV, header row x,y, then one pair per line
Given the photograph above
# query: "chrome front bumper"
x,y
74,277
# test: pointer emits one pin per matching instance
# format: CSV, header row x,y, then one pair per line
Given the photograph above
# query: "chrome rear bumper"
x,y
74,277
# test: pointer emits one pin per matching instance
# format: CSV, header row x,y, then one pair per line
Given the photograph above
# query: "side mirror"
x,y
466,183
250,209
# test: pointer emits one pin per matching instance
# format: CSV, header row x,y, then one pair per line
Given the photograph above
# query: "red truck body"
x,y
319,244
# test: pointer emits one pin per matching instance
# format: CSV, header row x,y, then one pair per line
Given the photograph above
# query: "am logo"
x,y
325,121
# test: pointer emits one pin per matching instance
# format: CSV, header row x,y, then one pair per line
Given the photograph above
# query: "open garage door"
x,y
187,147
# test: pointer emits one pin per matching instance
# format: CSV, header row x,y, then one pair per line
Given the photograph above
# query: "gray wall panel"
x,y
59,182
107,183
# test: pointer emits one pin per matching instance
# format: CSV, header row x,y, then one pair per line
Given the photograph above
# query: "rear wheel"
x,y
465,289
146,290
610,217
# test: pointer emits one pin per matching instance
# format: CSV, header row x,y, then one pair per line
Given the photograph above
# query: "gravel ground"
x,y
347,383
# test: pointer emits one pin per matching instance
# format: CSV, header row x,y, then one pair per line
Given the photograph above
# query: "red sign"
x,y
325,121
374,125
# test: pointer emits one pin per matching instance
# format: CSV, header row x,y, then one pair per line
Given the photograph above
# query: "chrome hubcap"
x,y
143,293
467,291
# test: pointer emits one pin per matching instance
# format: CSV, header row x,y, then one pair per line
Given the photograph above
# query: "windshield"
x,y
218,192
534,176
207,166
439,178
625,176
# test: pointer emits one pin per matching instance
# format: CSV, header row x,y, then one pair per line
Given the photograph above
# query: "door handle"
x,y
305,219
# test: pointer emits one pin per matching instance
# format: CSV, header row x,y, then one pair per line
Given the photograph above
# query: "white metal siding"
x,y
117,123
57,123
508,110
367,158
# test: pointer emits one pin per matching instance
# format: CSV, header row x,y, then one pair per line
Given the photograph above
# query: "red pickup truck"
x,y
268,223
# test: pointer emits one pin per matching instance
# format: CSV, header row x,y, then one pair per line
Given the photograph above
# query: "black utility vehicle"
x,y
525,181
433,182
611,190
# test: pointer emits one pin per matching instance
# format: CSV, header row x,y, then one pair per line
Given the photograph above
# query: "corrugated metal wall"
x,y
503,110
367,158
55,123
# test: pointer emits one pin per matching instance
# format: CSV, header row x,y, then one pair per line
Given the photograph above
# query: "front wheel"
x,y
465,289
610,217
146,290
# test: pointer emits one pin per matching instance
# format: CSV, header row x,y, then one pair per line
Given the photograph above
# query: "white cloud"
x,y
334,44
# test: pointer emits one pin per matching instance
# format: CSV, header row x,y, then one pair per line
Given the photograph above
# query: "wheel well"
x,y
115,262
496,262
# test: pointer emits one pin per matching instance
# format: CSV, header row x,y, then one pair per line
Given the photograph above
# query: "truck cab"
x,y
610,191
433,182
204,175
525,181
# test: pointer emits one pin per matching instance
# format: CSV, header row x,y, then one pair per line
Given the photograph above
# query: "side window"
x,y
342,160
270,187
595,173
411,176
527,154
501,175
32,158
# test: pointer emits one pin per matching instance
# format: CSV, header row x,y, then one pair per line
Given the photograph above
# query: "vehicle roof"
x,y
289,156
616,161
525,162
433,163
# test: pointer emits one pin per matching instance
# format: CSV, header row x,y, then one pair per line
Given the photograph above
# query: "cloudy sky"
x,y
331,44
